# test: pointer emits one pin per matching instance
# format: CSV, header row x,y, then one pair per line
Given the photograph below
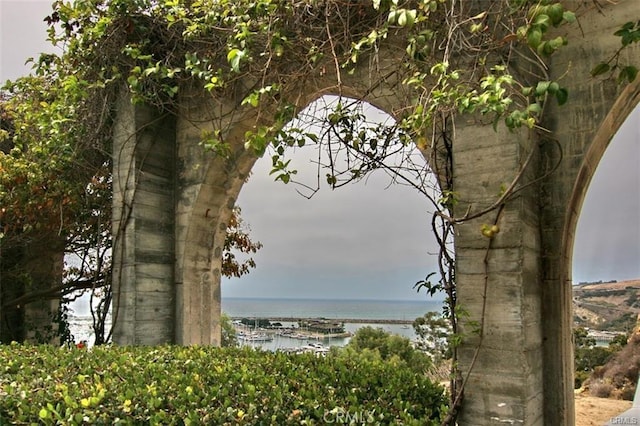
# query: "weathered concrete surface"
x,y
143,226
172,201
43,258
498,280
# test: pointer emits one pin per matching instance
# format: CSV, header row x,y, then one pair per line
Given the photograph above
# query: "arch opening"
x,y
606,248
367,240
608,229
363,240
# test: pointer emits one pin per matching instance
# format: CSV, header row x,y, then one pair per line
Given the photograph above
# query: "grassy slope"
x,y
607,306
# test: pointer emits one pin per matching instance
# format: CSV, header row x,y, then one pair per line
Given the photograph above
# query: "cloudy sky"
x,y
370,240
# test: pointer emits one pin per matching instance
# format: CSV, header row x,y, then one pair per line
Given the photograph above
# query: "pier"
x,y
343,320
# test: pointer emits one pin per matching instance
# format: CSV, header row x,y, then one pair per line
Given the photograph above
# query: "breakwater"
x,y
343,320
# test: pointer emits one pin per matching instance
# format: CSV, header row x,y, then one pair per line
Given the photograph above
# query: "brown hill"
x,y
593,411
619,376
612,285
610,306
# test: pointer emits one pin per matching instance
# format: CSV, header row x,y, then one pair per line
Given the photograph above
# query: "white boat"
x,y
316,348
253,337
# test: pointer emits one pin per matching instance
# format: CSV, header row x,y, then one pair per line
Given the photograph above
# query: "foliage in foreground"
x,y
205,385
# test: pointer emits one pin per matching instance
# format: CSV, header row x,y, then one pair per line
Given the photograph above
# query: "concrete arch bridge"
x,y
173,199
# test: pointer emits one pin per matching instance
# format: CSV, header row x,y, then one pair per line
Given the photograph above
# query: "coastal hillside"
x,y
609,389
612,306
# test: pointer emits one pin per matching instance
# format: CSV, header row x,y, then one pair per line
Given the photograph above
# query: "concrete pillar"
x,y
208,185
32,319
498,281
197,205
582,128
44,259
143,225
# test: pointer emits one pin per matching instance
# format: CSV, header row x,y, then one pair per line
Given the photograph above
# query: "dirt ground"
x,y
592,411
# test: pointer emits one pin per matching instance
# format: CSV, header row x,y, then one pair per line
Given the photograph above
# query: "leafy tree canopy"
x,y
259,52
238,240
389,346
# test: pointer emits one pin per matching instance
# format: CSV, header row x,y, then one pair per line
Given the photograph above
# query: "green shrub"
x,y
205,385
579,378
388,346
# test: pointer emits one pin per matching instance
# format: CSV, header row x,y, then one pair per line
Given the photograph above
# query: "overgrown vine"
x,y
481,59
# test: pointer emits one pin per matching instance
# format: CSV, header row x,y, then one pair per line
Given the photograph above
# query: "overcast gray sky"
x,y
370,240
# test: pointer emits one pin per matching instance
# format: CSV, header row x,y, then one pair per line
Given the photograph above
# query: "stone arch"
x,y
582,129
621,109
211,186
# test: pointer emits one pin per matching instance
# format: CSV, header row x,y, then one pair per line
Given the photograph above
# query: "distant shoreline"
x,y
344,320
312,299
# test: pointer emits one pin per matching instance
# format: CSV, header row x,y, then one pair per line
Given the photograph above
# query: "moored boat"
x,y
253,337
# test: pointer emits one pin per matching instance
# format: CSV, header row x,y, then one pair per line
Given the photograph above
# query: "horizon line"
x,y
331,299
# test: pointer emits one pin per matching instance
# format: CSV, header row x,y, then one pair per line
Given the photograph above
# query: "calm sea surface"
x,y
315,308
362,310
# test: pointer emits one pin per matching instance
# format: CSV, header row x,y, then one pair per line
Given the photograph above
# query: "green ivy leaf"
x,y
234,57
628,73
534,108
534,38
553,88
562,95
542,87
252,99
600,69
569,16
543,21
406,18
555,12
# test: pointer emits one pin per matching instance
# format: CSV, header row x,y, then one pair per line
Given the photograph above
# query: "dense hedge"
x,y
204,385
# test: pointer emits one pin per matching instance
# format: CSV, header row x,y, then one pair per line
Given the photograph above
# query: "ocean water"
x,y
81,328
361,310
327,308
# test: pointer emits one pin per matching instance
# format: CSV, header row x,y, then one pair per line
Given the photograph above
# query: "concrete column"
x,y
208,185
582,128
32,319
498,281
44,259
197,287
143,225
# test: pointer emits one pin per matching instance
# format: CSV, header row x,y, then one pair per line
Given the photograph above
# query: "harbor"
x,y
308,334
264,329
342,320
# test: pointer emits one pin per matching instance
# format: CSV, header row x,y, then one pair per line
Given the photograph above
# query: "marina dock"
x,y
344,320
